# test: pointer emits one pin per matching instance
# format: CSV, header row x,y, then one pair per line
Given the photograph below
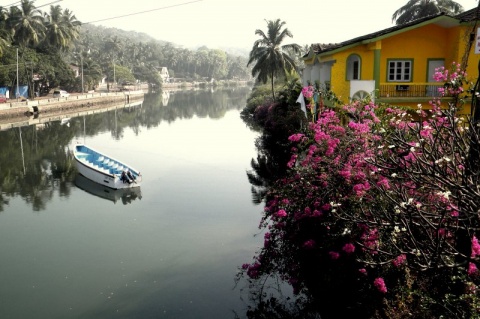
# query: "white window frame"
x,y
401,70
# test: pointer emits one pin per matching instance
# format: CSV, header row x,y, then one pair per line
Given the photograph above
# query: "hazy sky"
x,y
228,23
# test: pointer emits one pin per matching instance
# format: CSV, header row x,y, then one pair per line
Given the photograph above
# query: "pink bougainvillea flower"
x,y
363,271
400,260
309,244
334,255
379,283
472,269
349,248
475,247
281,213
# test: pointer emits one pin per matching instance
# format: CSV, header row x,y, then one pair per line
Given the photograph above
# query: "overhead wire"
x,y
43,5
120,16
145,11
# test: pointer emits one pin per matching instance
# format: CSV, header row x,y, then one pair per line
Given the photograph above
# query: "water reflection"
x,y
36,161
171,254
126,195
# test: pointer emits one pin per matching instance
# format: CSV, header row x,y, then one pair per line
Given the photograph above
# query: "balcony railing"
x,y
402,89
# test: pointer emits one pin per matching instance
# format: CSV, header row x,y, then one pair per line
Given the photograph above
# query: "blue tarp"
x,y
5,90
23,89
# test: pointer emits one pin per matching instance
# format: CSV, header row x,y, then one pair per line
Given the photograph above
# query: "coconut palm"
x,y
5,35
270,57
93,73
415,9
62,28
26,22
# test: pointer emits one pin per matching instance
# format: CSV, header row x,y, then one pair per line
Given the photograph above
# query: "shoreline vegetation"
x,y
44,109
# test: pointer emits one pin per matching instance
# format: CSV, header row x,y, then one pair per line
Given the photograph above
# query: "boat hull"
x,y
103,169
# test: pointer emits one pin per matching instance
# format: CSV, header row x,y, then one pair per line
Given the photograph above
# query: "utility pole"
x,y
81,61
17,94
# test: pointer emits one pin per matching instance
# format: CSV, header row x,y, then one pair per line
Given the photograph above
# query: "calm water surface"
x,y
70,249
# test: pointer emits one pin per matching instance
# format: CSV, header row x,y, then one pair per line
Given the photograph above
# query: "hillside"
x,y
140,37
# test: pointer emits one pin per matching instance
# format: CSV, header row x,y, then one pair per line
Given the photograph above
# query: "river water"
x,y
71,249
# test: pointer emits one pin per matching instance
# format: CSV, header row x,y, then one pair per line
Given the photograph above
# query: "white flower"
x,y
445,194
335,204
394,175
391,146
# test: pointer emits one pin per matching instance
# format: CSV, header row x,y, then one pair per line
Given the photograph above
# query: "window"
x,y
353,67
356,70
400,71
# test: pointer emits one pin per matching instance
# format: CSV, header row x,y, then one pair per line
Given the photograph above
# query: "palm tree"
x,y
62,28
26,23
5,34
114,50
270,57
415,9
93,73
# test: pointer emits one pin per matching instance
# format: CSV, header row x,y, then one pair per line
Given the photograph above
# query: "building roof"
x,y
466,16
470,15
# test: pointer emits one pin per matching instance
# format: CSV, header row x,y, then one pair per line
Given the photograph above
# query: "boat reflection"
x,y
126,195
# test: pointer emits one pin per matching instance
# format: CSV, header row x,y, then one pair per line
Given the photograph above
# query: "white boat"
x,y
104,169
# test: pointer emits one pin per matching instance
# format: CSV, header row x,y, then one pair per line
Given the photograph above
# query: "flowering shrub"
x,y
385,205
317,98
454,79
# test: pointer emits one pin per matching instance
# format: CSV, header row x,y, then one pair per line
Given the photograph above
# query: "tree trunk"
x,y
273,91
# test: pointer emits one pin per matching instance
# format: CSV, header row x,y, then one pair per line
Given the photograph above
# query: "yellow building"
x,y
396,65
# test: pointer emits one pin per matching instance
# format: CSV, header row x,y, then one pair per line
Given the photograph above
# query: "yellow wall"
x,y
339,84
428,42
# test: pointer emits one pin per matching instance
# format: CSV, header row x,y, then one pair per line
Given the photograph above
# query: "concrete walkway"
x,y
15,108
28,112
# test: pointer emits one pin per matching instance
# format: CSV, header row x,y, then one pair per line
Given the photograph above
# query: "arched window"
x,y
353,67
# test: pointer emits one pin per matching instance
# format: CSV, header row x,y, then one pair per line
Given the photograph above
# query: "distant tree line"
x,y
141,54
37,49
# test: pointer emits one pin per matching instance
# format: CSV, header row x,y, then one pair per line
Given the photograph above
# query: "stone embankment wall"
x,y
48,105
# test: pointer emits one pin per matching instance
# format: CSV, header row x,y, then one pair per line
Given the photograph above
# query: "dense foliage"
x,y
377,214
